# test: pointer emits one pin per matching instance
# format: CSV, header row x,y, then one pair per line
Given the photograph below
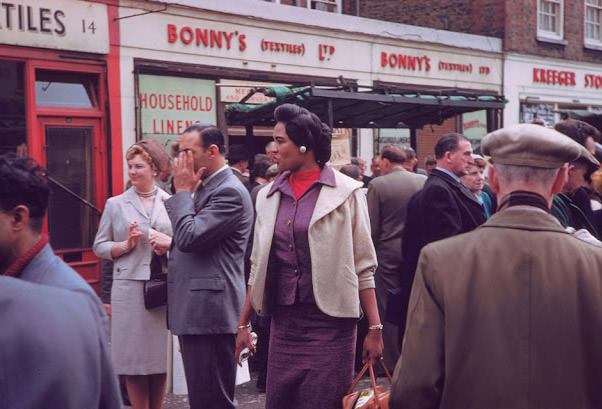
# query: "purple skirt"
x,y
310,359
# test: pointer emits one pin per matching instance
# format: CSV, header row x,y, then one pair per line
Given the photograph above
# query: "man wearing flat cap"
x,y
508,315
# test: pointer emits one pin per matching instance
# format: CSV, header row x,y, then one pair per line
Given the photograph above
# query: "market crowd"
x,y
477,281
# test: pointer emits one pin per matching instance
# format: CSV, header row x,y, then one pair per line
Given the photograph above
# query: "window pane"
x,y
13,131
60,89
69,161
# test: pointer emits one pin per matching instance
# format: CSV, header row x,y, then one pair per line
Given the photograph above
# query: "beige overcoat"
x,y
506,316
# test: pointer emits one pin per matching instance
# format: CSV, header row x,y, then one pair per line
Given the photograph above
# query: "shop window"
x,y
65,89
13,129
474,127
391,136
530,111
593,22
549,20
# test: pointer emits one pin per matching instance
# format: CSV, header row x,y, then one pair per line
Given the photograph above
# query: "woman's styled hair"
x,y
139,150
306,129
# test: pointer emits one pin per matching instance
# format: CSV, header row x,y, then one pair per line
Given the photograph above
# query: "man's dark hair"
x,y
577,130
236,154
430,160
306,129
394,154
22,183
209,135
448,143
351,170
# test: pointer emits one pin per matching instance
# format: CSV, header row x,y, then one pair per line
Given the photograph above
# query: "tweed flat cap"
x,y
530,145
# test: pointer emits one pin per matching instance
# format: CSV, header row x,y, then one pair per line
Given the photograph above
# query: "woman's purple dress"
x,y
311,354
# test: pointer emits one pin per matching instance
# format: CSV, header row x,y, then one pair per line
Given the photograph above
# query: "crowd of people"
x,y
478,279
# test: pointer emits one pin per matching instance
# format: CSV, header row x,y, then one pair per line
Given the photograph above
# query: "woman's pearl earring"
x,y
302,149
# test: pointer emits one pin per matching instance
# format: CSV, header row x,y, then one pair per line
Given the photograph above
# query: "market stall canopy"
x,y
346,106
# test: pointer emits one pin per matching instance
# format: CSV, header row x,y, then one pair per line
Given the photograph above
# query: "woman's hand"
x,y
243,340
373,346
133,235
161,242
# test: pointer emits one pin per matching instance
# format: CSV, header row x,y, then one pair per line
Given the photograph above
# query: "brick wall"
x,y
428,136
467,16
521,32
515,21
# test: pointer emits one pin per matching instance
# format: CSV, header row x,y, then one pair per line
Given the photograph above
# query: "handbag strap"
x,y
368,365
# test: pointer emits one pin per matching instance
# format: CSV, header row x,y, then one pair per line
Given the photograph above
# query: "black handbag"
x,y
155,289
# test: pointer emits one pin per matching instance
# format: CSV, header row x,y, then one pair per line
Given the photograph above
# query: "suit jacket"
x,y
448,208
48,269
506,316
206,283
52,354
388,197
120,211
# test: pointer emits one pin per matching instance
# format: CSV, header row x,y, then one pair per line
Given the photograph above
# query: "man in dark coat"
x,y
443,208
509,314
448,207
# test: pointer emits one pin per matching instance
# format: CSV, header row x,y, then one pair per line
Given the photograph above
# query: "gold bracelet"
x,y
248,325
378,327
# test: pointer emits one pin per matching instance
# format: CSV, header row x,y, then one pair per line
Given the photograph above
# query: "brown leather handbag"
x,y
375,397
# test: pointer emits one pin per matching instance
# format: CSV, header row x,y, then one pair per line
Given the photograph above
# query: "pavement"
x,y
248,396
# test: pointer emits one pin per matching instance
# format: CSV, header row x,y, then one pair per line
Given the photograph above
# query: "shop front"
x,y
193,62
547,88
53,107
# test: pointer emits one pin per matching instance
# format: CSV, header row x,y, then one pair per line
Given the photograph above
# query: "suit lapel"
x,y
132,198
204,192
456,185
159,199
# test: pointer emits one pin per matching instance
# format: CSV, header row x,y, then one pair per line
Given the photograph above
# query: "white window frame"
x,y
546,35
337,3
593,43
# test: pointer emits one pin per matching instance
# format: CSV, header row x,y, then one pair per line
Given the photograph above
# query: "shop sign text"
x,y
168,105
554,77
58,24
593,81
206,37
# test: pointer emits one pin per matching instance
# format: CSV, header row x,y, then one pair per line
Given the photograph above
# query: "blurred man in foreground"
x,y
508,315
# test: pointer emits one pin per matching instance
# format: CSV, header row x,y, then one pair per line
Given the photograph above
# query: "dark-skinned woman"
x,y
312,270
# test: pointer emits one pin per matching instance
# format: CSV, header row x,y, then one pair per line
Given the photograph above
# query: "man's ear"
x,y
560,179
213,150
494,182
19,217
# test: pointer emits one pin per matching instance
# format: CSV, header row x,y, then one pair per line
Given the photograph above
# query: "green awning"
x,y
378,107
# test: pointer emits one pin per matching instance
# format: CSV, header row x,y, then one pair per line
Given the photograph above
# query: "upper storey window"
x,y
549,19
333,6
593,22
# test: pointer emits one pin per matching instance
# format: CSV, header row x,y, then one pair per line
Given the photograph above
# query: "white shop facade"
x,y
182,64
545,88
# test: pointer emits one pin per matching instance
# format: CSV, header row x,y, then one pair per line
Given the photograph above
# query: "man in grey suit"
x,y
211,214
388,197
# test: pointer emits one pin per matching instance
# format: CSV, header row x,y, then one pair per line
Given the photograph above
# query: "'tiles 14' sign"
x,y
57,24
44,20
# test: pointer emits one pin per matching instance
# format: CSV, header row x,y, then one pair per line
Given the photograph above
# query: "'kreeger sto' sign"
x,y
554,77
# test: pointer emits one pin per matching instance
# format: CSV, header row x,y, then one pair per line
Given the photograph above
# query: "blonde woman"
x,y
133,225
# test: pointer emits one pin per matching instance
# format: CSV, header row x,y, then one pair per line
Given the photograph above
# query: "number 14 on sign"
x,y
88,26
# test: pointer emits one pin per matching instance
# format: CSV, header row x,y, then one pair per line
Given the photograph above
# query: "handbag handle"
x,y
368,365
